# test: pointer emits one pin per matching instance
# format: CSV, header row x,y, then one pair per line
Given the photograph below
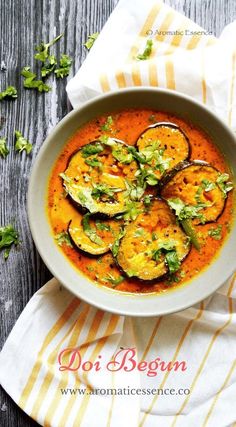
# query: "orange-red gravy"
x,y
127,126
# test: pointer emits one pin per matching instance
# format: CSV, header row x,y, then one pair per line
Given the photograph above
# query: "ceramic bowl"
x,y
110,300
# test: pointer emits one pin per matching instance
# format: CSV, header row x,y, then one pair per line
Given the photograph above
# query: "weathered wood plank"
x,y
23,24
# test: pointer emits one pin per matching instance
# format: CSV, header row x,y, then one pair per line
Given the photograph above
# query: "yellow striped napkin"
x,y
186,59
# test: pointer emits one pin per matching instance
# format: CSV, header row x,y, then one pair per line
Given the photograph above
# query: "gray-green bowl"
x,y
117,302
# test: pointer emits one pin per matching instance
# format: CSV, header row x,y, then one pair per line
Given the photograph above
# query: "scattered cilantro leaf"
x,y
22,143
93,162
9,92
8,237
224,184
183,211
100,190
30,81
90,149
102,226
132,210
91,233
63,238
116,244
173,261
114,280
64,67
3,147
216,232
106,127
147,51
48,66
43,49
91,39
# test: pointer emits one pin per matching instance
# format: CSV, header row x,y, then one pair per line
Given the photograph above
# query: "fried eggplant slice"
x,y
91,235
196,192
96,176
162,146
154,244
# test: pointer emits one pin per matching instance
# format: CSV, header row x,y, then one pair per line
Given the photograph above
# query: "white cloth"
x,y
204,336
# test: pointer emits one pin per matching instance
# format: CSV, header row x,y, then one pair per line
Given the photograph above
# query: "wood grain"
x,y
23,24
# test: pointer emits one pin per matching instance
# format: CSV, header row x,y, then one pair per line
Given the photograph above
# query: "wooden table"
x,y
23,24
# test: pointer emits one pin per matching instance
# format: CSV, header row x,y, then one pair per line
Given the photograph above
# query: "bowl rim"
x,y
92,301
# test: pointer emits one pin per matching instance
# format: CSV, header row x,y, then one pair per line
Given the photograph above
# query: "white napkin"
x,y
204,336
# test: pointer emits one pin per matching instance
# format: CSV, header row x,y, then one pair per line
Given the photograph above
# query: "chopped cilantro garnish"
x,y
147,51
8,237
49,66
91,149
64,66
91,39
171,256
93,162
116,244
22,143
108,124
101,190
63,238
132,210
183,211
216,233
89,231
9,92
43,49
114,280
30,81
134,192
172,260
121,154
224,184
139,232
102,226
3,147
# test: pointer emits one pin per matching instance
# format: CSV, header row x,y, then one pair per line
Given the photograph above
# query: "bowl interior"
x,y
135,305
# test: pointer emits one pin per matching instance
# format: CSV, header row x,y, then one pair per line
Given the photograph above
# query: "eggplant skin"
x,y
171,139
187,184
82,241
96,182
146,235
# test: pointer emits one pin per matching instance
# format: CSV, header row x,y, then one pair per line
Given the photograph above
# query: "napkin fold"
x,y
56,327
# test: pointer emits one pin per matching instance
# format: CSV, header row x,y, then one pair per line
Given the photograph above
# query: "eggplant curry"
x,y
140,201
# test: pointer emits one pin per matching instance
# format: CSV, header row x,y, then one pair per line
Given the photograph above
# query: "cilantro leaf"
x,y
224,184
93,162
116,244
102,226
122,155
9,92
90,149
43,49
3,147
30,81
22,143
147,51
101,190
8,237
173,261
114,280
49,66
216,233
183,211
91,39
91,233
107,125
64,67
63,238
